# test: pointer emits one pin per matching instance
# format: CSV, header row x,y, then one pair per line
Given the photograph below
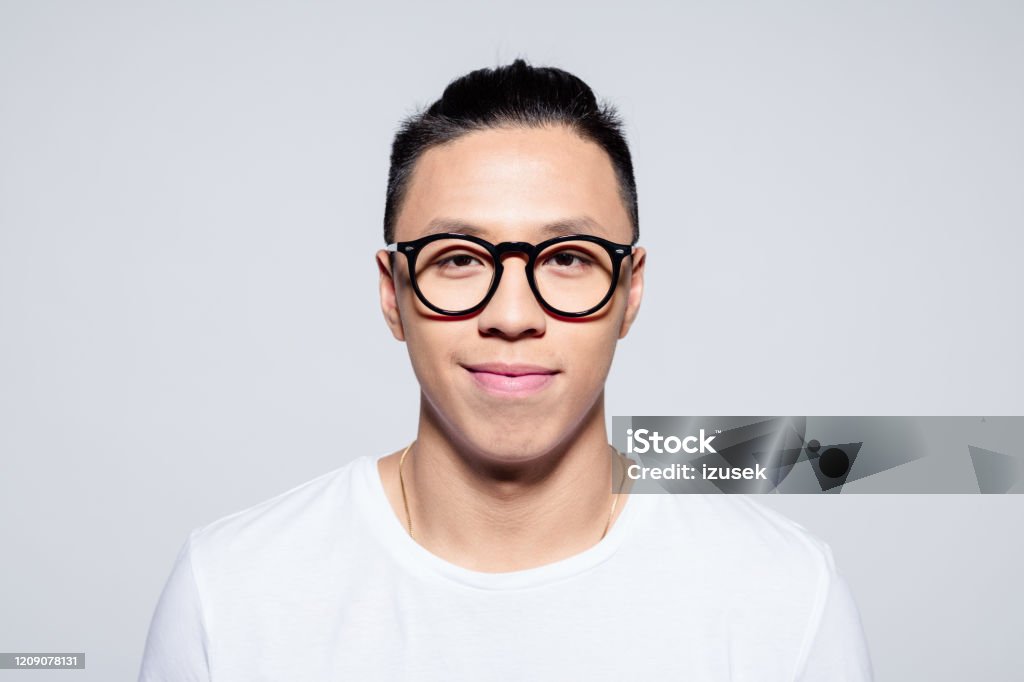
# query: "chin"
x,y
512,442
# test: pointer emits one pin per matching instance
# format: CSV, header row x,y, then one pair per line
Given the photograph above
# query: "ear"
x,y
636,290
388,297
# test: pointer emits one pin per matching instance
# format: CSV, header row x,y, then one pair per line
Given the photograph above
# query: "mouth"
x,y
513,381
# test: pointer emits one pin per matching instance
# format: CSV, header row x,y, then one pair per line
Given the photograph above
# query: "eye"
x,y
457,261
568,259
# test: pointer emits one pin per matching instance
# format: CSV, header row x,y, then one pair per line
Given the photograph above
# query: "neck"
x,y
487,514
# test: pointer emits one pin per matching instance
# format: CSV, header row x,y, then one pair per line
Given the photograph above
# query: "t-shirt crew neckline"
x,y
390,531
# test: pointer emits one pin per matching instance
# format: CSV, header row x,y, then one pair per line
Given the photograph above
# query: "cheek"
x,y
588,355
432,347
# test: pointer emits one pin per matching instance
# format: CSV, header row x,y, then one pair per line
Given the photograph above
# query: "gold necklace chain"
x,y
408,516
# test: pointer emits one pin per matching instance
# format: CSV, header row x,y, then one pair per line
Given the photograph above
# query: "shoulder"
x,y
768,534
738,532
768,567
769,575
285,528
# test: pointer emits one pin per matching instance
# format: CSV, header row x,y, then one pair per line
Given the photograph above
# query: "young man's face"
x,y
509,184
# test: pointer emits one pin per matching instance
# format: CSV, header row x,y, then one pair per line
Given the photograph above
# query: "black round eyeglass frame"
x,y
411,250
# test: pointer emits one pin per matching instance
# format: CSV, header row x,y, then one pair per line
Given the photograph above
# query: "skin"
x,y
498,483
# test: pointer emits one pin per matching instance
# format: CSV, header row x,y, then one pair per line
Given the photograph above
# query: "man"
x,y
501,543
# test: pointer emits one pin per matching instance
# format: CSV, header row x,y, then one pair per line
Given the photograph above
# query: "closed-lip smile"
x,y
510,380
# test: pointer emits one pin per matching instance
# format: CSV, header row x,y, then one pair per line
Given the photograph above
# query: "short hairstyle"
x,y
515,95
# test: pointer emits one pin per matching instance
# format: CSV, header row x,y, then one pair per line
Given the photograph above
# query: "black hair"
x,y
513,95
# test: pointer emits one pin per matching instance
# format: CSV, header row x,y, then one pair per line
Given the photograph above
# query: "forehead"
x,y
515,184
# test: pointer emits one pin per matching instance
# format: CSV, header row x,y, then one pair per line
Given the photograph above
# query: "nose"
x,y
513,311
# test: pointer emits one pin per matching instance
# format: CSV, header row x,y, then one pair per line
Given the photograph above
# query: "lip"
x,y
511,380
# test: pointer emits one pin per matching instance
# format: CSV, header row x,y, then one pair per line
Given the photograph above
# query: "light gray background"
x,y
191,195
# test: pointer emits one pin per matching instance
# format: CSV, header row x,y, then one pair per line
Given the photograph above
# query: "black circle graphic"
x,y
834,463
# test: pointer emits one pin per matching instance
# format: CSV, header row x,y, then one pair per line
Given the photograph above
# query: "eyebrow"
x,y
575,225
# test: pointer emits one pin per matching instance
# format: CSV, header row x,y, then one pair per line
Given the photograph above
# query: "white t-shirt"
x,y
323,582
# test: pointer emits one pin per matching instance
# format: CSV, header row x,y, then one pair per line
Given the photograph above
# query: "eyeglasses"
x,y
457,274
